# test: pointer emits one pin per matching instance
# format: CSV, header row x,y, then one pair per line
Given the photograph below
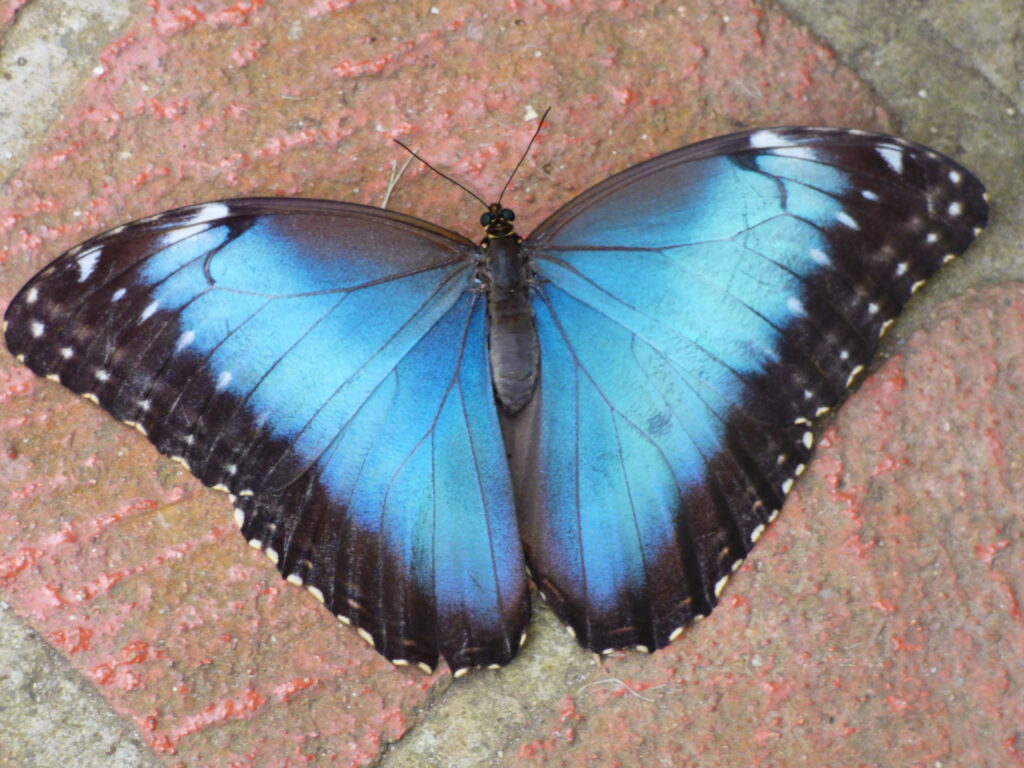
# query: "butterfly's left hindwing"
x,y
695,314
326,364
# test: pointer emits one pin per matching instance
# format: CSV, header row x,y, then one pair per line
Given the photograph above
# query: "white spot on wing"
x,y
893,157
369,639
901,269
756,533
955,177
118,294
867,194
87,264
795,306
32,295
819,257
67,352
720,585
224,379
209,212
185,339
148,312
955,208
844,218
36,328
102,375
761,139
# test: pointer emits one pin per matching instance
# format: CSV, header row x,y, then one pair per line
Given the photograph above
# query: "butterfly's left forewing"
x,y
695,314
325,363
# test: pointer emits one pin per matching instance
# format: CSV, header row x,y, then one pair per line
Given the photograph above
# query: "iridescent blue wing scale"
x,y
696,314
326,364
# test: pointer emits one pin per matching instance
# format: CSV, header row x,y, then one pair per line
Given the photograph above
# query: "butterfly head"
x,y
498,221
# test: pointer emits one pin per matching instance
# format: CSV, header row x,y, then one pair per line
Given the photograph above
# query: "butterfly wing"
x,y
326,364
695,314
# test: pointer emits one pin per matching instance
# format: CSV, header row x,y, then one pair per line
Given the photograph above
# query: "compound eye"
x,y
508,215
485,219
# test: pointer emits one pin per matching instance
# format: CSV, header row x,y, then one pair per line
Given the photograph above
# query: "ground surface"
x,y
879,621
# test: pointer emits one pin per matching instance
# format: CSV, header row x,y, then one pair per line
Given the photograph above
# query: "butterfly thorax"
x,y
512,333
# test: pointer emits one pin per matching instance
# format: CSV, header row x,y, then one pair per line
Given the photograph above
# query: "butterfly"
x,y
406,419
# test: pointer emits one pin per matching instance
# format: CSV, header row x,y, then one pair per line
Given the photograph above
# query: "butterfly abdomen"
x,y
512,332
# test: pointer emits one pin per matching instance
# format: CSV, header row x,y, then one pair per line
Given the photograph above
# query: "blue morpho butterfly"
x,y
406,419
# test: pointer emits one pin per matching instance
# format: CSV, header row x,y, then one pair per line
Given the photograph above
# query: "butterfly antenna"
x,y
535,134
396,174
442,175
